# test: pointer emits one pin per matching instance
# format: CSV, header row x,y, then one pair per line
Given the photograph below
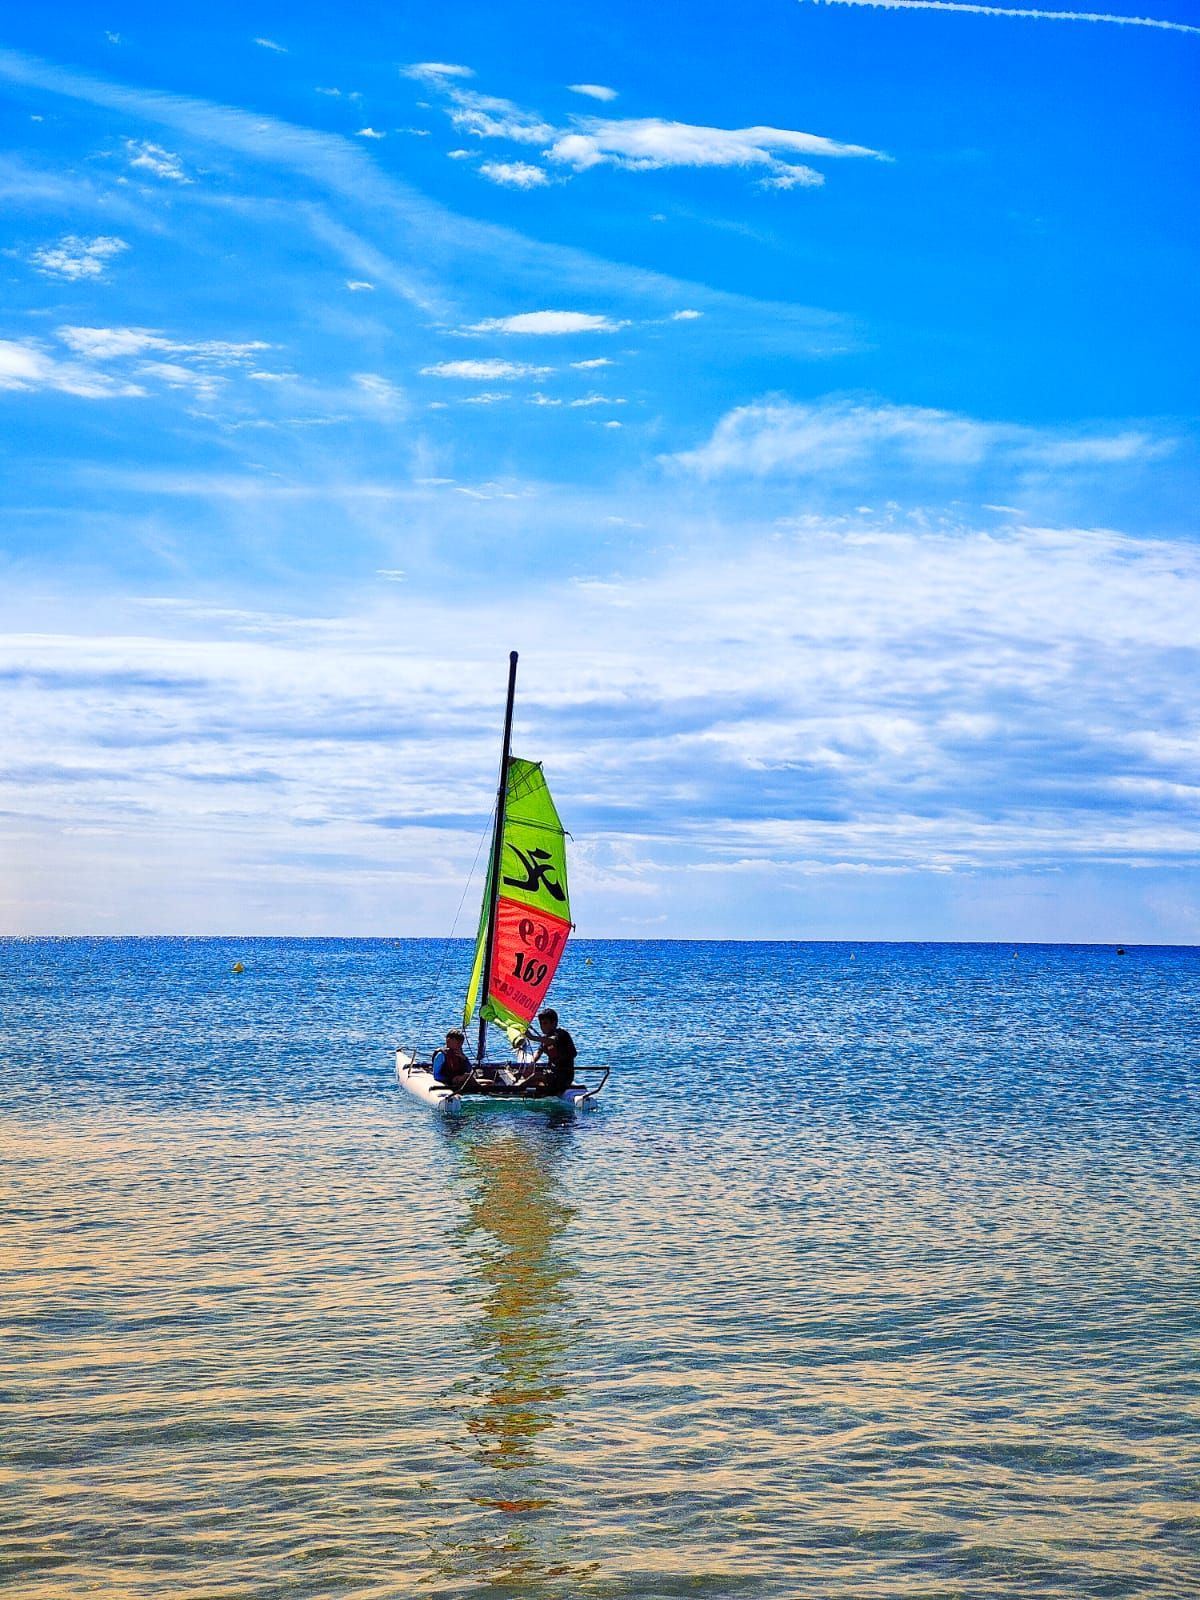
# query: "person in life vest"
x,y
558,1047
450,1065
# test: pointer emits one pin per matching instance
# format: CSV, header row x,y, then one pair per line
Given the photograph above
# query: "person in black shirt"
x,y
557,1045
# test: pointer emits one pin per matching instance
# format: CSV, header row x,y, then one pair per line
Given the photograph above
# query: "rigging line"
x,y
437,982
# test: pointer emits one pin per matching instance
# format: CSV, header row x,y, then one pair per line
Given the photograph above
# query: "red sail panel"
x,y
526,952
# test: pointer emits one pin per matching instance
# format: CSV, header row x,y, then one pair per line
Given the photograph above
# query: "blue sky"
x,y
807,390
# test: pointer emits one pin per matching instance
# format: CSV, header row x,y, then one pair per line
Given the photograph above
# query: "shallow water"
x,y
874,1273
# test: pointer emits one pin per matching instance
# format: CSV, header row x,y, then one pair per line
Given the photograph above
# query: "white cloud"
x,y
177,376
685,316
358,285
464,155
483,371
269,44
74,257
548,322
108,344
435,71
515,174
594,91
587,366
597,400
488,117
647,143
1019,11
369,133
378,393
780,437
27,365
153,158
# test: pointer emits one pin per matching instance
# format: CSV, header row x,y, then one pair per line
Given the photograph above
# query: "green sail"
x,y
533,909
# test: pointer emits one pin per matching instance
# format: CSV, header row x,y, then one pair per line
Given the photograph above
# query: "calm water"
x,y
875,1273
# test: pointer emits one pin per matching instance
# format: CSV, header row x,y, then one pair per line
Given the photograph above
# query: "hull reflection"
x,y
514,1350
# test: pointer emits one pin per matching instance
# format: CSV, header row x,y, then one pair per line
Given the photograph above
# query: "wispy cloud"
x,y
107,344
269,44
646,143
548,322
785,438
369,133
153,158
515,174
435,71
28,365
358,285
594,91
1017,11
483,371
74,257
634,144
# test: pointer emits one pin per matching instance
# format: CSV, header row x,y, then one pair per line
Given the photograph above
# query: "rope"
x,y
437,982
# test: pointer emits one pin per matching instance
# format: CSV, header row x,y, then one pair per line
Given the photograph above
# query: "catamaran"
x,y
524,923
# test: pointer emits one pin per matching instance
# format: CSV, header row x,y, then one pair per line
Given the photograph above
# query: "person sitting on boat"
x,y
557,1045
450,1065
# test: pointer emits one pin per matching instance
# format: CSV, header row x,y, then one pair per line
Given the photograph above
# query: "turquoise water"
x,y
874,1273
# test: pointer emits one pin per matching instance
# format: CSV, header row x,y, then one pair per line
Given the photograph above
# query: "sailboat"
x,y
524,923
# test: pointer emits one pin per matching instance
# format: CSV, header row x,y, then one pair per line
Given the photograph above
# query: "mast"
x,y
497,846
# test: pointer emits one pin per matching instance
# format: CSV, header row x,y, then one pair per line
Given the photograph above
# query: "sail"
x,y
533,911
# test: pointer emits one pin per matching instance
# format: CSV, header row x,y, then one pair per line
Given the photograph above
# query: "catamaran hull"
x,y
420,1082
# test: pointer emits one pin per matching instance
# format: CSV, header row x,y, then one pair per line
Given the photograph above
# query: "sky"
x,y
806,389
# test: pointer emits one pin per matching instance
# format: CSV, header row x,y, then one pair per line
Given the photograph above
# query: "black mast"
x,y
497,845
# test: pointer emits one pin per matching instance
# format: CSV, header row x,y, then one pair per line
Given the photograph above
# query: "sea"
x,y
873,1272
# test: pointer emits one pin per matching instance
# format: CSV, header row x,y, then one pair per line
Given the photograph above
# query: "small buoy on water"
x,y
238,967
1120,950
587,961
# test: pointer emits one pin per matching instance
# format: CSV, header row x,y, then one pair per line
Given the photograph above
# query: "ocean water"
x,y
874,1273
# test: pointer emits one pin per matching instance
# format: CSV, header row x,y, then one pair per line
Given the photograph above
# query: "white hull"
x,y
420,1082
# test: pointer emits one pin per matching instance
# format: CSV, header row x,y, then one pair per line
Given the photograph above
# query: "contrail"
x,y
1018,11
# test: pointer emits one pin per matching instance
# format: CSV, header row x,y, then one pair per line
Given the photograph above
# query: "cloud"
x,y
548,322
648,143
27,365
153,158
873,704
596,400
685,316
781,437
379,393
108,344
596,361
515,174
636,145
358,285
483,371
369,133
488,117
74,258
269,44
594,91
1018,11
435,72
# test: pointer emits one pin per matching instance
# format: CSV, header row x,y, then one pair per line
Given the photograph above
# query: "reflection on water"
x,y
516,1344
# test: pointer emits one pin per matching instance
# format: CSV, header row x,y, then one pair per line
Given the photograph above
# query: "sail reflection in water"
x,y
515,1348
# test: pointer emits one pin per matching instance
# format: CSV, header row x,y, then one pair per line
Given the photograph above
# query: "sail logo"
x,y
539,873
